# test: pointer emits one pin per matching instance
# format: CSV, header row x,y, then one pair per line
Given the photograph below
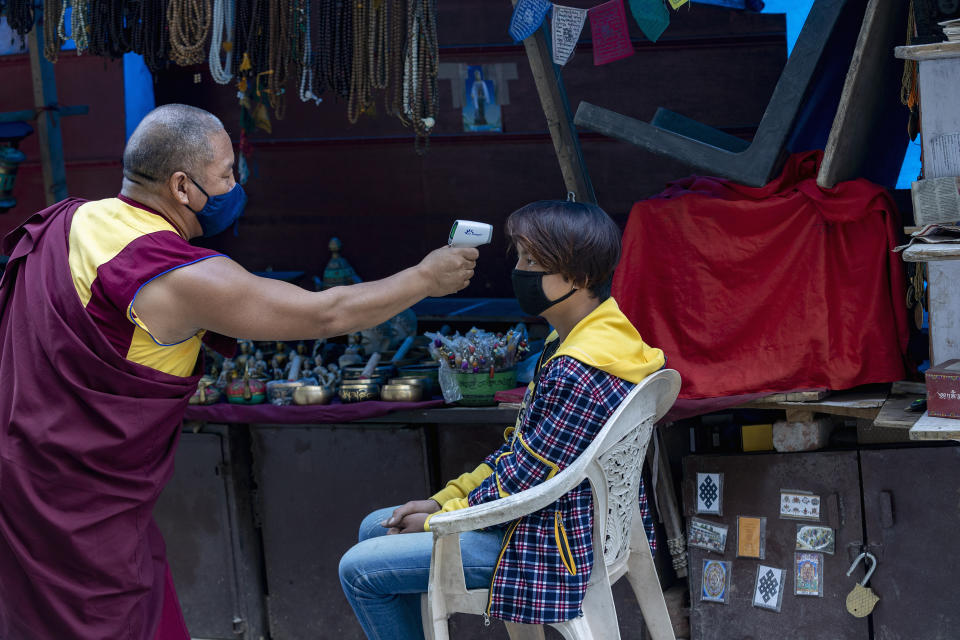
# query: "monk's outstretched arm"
x,y
217,294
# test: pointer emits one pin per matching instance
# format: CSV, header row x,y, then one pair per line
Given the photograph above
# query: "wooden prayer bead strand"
x,y
279,57
52,10
359,85
21,16
395,57
315,27
378,42
189,24
421,66
343,48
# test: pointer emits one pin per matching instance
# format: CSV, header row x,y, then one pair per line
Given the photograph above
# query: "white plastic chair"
x,y
612,463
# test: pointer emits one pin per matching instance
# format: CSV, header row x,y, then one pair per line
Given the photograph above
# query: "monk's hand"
x,y
404,517
448,270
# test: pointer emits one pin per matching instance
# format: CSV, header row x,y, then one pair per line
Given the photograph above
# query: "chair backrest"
x,y
616,460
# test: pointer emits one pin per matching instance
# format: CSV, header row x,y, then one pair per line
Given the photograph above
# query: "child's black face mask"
x,y
528,288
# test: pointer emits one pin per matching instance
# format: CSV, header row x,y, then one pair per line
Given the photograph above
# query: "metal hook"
x,y
870,570
571,196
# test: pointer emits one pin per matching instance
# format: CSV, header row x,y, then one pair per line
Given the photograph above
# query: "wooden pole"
x,y
553,99
48,121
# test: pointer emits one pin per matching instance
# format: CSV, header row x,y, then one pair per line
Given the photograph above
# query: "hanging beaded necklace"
x,y
334,62
393,100
221,38
108,35
51,35
279,54
189,24
360,96
78,23
420,71
149,35
20,16
377,45
306,60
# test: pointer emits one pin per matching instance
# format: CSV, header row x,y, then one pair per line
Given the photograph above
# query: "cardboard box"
x,y
943,389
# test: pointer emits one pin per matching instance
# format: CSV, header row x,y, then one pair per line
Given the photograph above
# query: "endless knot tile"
x,y
768,586
708,492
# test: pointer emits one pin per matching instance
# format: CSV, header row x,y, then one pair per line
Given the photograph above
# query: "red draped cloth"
x,y
787,286
87,439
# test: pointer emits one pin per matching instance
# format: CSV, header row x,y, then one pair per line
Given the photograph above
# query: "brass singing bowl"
x,y
425,382
401,393
352,392
312,394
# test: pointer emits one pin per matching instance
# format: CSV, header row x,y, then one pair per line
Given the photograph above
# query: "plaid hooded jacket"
x,y
544,567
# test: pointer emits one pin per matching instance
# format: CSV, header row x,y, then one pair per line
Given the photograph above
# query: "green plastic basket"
x,y
478,389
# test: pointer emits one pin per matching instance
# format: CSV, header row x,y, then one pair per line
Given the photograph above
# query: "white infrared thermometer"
x,y
466,233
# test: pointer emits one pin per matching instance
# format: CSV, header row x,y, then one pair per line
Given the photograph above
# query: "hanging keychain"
x,y
862,600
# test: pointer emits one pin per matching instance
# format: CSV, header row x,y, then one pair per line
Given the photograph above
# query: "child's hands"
x,y
409,517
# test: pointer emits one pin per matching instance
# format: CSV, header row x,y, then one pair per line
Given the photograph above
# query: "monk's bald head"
x,y
171,138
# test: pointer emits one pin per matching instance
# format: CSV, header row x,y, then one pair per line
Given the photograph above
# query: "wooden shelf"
x,y
922,252
854,404
933,51
893,414
930,428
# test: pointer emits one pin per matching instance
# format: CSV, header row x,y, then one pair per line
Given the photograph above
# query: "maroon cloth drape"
x,y
86,444
787,286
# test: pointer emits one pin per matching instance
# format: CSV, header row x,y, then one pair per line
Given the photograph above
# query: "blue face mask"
x,y
221,211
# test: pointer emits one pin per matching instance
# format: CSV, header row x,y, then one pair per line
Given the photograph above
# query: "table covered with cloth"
x,y
786,286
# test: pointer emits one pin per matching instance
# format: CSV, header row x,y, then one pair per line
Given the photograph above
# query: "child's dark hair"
x,y
575,239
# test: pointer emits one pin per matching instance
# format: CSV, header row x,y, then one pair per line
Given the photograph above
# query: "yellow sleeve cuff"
x,y
462,486
450,505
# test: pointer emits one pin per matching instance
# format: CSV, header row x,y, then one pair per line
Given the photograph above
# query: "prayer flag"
x,y
652,16
676,4
566,28
527,17
608,24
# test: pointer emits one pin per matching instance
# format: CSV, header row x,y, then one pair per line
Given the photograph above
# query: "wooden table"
x,y
931,428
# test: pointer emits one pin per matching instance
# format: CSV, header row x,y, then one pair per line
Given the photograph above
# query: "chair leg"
x,y
642,575
432,629
599,619
517,631
576,629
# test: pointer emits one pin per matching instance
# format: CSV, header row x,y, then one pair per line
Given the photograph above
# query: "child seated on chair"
x,y
537,567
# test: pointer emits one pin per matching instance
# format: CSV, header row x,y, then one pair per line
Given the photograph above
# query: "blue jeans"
x,y
383,576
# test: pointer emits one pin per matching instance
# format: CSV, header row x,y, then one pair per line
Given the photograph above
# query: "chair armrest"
x,y
505,509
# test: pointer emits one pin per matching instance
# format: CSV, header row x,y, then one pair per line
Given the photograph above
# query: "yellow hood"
x,y
606,340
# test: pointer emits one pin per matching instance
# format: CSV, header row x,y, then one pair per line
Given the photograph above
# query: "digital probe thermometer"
x,y
466,233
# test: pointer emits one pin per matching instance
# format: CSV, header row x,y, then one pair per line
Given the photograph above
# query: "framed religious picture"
x,y
768,590
808,574
812,537
751,533
481,111
707,535
715,581
799,505
710,493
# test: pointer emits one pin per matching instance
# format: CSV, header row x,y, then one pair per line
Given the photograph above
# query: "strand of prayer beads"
x,y
359,79
221,38
189,24
149,35
395,49
52,10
